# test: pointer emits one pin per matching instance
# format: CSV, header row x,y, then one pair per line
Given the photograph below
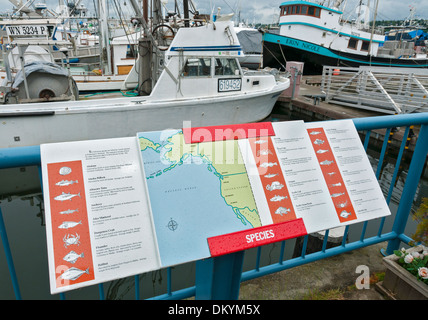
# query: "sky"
x,y
266,11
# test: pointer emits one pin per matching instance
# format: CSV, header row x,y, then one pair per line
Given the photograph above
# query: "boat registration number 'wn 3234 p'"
x,y
26,30
225,85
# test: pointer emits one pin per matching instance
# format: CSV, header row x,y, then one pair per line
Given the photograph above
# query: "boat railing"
x,y
221,277
386,90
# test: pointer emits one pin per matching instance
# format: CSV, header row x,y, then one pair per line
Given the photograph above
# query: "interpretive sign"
x,y
119,207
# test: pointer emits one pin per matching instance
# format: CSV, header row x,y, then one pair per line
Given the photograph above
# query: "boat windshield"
x,y
197,67
226,67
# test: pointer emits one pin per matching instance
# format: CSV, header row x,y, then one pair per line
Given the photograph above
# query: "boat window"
x,y
352,44
226,67
317,12
197,67
304,9
301,10
365,46
131,51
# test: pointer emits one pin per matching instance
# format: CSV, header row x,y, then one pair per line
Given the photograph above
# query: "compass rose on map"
x,y
172,225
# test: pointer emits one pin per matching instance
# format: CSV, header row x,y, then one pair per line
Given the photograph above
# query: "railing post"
x,y
9,259
412,181
219,278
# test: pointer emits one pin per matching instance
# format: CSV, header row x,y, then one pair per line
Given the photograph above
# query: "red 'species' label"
x,y
246,239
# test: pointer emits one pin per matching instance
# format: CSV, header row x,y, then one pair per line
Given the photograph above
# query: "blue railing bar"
x,y
19,157
168,280
305,244
259,254
101,291
397,164
367,139
382,153
324,243
390,121
404,238
345,236
9,259
312,257
281,254
413,176
62,296
177,295
28,156
382,222
363,232
137,287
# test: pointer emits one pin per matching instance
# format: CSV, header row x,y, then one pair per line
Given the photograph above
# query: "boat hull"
x,y
279,49
124,120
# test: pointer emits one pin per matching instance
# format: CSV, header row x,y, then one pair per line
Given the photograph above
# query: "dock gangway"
x,y
381,89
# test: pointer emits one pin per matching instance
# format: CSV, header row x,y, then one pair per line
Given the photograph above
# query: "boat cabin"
x,y
323,26
204,62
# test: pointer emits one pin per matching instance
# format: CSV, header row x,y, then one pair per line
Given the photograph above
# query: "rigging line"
x,y
277,60
118,11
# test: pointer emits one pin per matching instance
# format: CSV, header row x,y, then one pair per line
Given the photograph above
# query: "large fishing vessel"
x,y
318,35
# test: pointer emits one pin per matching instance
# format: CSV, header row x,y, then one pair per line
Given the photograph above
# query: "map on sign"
x,y
193,187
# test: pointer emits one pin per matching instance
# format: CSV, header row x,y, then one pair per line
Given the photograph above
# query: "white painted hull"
x,y
103,83
126,119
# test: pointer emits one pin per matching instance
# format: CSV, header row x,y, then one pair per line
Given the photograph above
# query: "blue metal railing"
x,y
220,278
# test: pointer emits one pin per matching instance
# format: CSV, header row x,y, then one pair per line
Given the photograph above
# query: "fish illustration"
x,y
73,256
322,151
318,141
342,204
268,164
276,185
69,224
260,141
335,195
315,133
345,214
73,273
66,196
264,152
271,175
64,171
277,198
69,211
326,162
63,183
282,210
335,184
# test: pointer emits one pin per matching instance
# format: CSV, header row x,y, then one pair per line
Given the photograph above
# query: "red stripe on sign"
x,y
246,239
228,132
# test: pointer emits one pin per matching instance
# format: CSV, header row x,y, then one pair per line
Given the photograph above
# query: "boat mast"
x,y
373,29
104,37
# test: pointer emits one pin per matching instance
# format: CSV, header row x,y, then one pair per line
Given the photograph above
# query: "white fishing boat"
x,y
202,82
319,34
44,41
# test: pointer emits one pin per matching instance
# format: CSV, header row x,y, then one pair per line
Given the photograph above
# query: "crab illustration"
x,y
70,239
